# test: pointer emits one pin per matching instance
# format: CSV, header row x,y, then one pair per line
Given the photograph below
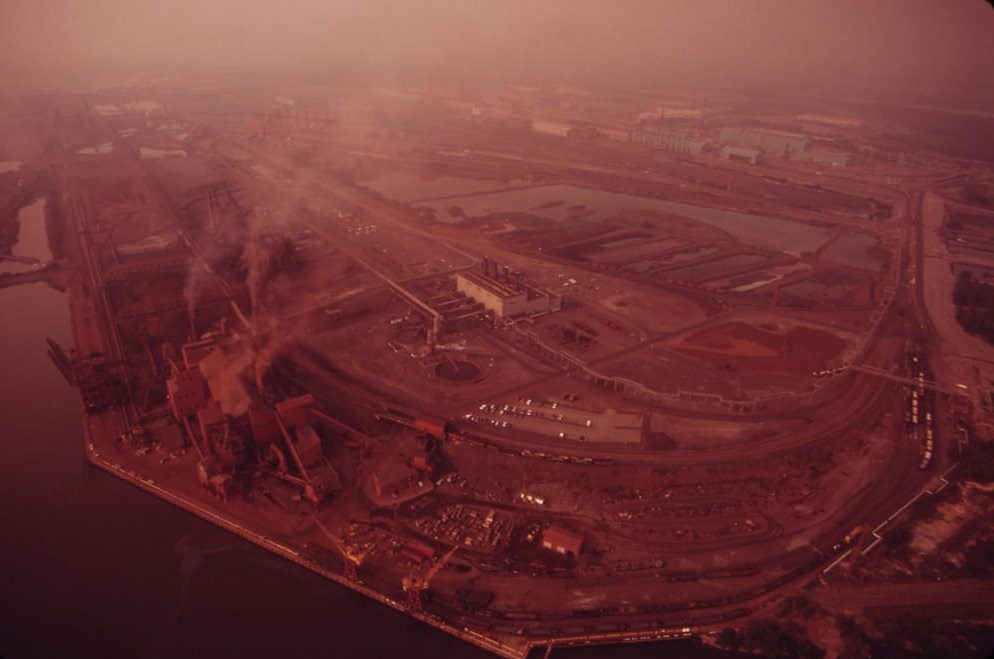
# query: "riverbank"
x,y
54,275
18,190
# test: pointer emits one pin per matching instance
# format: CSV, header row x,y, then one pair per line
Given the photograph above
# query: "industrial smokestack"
x,y
506,274
485,266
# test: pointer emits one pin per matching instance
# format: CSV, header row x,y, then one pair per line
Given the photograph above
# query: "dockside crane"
x,y
101,382
416,584
351,557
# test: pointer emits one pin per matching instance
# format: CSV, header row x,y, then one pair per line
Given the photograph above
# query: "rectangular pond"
x,y
859,250
408,187
558,202
711,269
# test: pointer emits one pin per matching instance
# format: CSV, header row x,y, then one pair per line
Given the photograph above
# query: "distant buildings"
x,y
771,142
585,131
733,142
680,141
749,154
752,143
557,128
831,120
833,158
679,111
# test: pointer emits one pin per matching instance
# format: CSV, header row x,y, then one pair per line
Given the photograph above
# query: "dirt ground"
x,y
799,350
651,308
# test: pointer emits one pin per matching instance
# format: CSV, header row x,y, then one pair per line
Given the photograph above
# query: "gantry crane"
x,y
350,556
416,584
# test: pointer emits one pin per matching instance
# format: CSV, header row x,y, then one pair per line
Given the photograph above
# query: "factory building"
x,y
830,120
751,143
672,140
562,541
616,133
833,158
748,154
505,292
557,128
233,431
187,392
669,112
585,132
773,142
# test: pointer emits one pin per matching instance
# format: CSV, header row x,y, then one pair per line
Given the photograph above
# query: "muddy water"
x,y
558,202
404,186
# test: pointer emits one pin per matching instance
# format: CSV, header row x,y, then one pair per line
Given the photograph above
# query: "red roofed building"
x,y
561,541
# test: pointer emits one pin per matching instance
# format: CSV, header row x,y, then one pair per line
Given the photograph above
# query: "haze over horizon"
x,y
922,45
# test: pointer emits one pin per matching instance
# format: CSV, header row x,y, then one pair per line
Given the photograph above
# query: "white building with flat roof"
x,y
557,128
506,293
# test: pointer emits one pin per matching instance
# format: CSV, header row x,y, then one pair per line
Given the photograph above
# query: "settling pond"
x,y
555,202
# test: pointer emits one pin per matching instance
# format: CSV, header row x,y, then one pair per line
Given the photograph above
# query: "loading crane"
x,y
99,380
416,584
351,557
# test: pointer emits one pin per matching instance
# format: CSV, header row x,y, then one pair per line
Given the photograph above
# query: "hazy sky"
x,y
906,42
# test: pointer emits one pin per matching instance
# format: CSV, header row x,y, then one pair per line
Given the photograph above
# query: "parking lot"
x,y
562,420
